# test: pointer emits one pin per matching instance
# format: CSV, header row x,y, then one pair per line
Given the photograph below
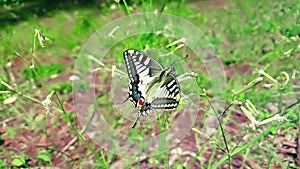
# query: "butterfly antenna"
x,y
125,100
136,120
186,56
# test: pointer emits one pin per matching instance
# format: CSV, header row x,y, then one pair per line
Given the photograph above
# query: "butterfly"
x,y
151,86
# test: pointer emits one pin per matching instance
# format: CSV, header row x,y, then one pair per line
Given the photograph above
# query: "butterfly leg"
x,y
186,76
137,119
119,104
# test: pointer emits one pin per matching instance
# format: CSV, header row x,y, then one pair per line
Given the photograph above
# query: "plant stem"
x,y
222,129
81,137
258,138
127,9
163,6
244,147
18,92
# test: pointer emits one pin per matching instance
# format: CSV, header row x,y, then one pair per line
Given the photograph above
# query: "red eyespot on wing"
x,y
141,101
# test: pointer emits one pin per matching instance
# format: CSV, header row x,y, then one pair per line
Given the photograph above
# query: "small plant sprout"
x,y
294,74
111,33
47,103
268,85
197,131
114,69
10,100
262,72
288,52
251,107
74,78
251,113
40,37
178,41
181,42
287,78
249,85
22,58
91,57
276,118
4,92
167,32
11,89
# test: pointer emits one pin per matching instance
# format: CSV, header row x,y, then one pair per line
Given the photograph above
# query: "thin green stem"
x,y
33,48
211,159
226,109
20,93
126,7
163,6
222,130
281,89
151,6
244,147
257,139
167,160
81,137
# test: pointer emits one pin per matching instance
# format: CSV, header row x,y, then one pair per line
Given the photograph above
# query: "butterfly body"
x,y
151,86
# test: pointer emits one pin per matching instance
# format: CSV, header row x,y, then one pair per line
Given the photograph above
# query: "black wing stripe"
x,y
172,85
130,66
140,68
164,103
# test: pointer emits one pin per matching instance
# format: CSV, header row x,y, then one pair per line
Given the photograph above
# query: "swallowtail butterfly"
x,y
151,85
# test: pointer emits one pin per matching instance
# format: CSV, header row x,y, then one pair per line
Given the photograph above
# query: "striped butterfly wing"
x,y
141,69
167,96
140,66
146,73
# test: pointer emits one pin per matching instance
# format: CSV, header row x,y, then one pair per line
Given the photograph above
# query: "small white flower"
x,y
74,78
262,72
181,40
113,7
91,57
10,100
279,118
41,37
47,103
113,69
111,33
258,80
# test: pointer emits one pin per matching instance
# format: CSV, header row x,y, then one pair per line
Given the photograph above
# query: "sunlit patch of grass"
x,y
43,71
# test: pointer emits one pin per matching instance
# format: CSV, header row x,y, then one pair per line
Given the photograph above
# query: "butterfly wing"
x,y
140,69
167,96
138,63
143,72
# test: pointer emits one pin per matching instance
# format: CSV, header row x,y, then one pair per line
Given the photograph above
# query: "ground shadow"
x,y
23,10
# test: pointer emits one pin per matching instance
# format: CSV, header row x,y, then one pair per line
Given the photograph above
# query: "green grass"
x,y
257,34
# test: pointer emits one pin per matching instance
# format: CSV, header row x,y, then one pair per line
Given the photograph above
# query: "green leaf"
x,y
11,132
45,157
2,164
19,161
67,116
